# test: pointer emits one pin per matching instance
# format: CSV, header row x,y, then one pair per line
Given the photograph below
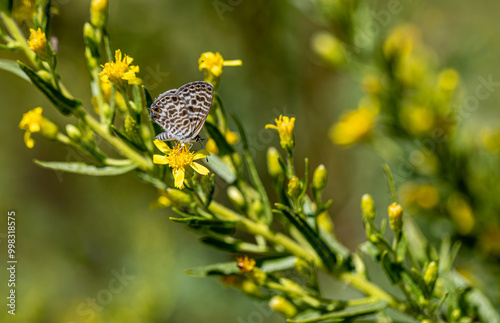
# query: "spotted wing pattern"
x,y
182,112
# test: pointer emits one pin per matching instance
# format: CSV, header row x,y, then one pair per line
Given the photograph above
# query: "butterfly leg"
x,y
200,140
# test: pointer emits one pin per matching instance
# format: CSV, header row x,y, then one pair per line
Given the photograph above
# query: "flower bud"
x,y
294,187
325,222
178,197
282,306
235,196
99,12
395,216
73,132
273,164
431,273
319,178
368,207
130,126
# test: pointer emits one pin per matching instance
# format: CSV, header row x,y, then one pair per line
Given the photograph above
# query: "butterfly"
x,y
182,112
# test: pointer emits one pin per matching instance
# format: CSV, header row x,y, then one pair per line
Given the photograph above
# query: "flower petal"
x,y
162,146
179,177
200,155
159,159
200,169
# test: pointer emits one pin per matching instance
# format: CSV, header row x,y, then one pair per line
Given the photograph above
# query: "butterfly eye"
x,y
155,109
155,116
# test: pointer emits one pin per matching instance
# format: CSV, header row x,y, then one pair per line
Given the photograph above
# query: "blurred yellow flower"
x,y
328,48
372,84
245,264
461,214
448,79
418,120
23,10
401,41
285,127
32,122
178,158
231,137
353,127
161,202
120,72
213,63
425,196
98,12
490,139
38,43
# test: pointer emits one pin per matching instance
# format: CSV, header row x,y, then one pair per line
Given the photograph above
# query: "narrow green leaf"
x,y
233,245
85,169
123,136
202,222
224,268
224,147
371,250
220,168
65,105
323,251
13,67
277,264
254,175
152,180
347,313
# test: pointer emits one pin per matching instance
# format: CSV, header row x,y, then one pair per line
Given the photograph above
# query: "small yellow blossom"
x,y
32,122
245,264
120,72
161,202
329,48
98,12
461,213
353,127
395,216
38,43
178,158
401,41
231,137
418,120
372,84
213,63
285,127
448,79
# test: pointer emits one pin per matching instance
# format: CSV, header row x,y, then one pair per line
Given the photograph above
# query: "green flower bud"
x,y
130,126
250,288
395,217
273,164
73,132
431,273
294,187
319,178
178,197
235,196
368,207
147,136
282,306
44,75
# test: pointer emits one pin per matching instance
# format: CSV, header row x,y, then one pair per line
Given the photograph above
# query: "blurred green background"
x,y
74,232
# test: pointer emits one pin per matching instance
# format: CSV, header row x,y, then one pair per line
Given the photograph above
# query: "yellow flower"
x,y
285,127
401,41
120,72
418,120
328,48
245,264
38,43
32,122
213,63
98,12
23,10
461,213
178,158
353,127
448,79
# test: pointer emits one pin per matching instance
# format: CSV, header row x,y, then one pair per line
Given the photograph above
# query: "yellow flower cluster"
x,y
38,43
212,63
354,126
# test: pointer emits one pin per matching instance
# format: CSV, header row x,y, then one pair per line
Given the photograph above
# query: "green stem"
x,y
143,163
18,36
355,280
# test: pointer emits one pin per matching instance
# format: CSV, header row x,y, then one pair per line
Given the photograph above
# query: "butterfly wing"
x,y
169,111
198,97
